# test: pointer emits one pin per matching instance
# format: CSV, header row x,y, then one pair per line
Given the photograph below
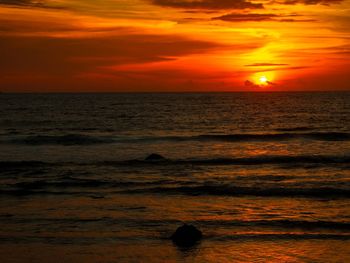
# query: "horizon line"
x,y
169,92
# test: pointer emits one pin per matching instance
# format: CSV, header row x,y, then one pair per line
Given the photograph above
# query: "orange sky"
x,y
174,45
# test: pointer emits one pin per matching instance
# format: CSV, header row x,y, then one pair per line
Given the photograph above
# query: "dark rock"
x,y
186,236
155,157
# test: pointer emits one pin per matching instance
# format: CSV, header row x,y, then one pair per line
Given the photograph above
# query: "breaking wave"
x,y
256,160
79,139
67,140
283,223
228,190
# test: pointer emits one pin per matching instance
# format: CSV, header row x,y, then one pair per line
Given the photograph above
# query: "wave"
x,y
21,164
256,160
168,187
91,240
228,190
282,236
79,139
237,224
85,183
321,136
66,140
282,223
40,184
295,129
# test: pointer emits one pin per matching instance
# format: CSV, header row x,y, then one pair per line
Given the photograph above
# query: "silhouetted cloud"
x,y
89,61
265,64
295,20
250,84
19,2
277,68
209,4
94,52
30,3
253,17
310,2
236,17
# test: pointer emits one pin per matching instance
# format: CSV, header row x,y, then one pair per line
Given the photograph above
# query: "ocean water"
x,y
264,176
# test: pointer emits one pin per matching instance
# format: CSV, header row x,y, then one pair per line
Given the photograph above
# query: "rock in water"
x,y
186,236
155,157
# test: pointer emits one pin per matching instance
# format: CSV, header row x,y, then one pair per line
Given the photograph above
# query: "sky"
x,y
174,45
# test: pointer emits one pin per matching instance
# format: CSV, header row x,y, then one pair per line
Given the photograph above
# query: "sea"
x,y
264,176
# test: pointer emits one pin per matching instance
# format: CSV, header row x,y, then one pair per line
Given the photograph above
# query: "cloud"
x,y
296,20
278,68
209,4
250,84
30,3
45,53
310,2
254,17
265,65
236,17
21,2
39,62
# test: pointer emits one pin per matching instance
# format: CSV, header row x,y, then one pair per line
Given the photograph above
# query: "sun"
x,y
263,80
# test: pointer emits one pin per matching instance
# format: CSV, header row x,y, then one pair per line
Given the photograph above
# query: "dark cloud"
x,y
236,17
60,54
34,62
296,20
199,11
250,84
277,68
265,65
19,2
310,2
15,27
253,17
208,4
29,3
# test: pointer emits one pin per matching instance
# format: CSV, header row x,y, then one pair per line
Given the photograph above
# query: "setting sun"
x,y
263,80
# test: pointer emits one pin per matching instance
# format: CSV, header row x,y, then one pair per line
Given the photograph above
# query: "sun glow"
x,y
263,80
